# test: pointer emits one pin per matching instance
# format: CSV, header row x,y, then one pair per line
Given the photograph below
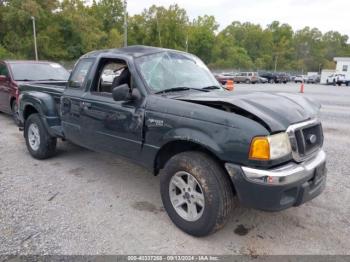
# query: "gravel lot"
x,y
82,202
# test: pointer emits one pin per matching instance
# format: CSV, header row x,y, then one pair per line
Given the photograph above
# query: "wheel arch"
x,y
29,110
175,147
42,102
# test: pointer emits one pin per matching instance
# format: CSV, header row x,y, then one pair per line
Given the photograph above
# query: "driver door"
x,y
108,125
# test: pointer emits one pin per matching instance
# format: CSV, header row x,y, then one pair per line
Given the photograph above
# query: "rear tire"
x,y
211,182
39,142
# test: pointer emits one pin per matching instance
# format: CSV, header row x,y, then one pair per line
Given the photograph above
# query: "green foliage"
x,y
159,26
200,37
4,53
110,12
66,29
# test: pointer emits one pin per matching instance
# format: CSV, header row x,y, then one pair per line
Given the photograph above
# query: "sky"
x,y
326,15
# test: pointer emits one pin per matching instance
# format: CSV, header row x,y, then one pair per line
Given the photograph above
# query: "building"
x,y
343,67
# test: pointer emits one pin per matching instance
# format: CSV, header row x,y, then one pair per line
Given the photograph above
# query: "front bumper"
x,y
276,189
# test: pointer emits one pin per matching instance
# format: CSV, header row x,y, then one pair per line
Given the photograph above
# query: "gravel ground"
x,y
82,202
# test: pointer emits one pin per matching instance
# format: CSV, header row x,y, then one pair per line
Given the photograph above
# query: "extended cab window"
x,y
80,72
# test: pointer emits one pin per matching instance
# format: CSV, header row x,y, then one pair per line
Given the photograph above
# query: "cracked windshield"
x,y
168,70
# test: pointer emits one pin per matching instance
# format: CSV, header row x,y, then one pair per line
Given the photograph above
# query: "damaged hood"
x,y
277,111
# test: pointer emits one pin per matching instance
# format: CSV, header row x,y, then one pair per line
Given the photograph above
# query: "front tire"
x,y
39,142
196,193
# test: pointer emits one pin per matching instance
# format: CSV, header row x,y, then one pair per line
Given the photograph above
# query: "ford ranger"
x,y
163,109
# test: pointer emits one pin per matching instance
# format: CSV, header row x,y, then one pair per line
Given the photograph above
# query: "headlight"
x,y
270,147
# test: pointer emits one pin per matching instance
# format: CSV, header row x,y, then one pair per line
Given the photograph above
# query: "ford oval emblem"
x,y
312,139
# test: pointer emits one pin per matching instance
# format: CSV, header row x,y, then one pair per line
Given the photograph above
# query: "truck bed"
x,y
53,88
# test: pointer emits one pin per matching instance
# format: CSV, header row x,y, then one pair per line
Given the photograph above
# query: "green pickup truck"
x,y
164,109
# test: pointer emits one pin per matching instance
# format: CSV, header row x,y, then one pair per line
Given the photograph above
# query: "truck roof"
x,y
133,51
27,61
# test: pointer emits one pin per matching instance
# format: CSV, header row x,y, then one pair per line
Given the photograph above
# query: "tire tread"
x,y
221,179
47,146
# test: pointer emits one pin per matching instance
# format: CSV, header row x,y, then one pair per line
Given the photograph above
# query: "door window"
x,y
4,70
79,73
111,73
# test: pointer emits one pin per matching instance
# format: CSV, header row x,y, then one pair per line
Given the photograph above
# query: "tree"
x,y
110,13
200,37
160,26
228,55
282,48
4,53
309,51
66,29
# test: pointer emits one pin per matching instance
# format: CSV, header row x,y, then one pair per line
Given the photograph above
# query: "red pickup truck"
x,y
15,72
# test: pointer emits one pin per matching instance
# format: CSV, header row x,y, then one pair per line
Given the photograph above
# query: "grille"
x,y
306,138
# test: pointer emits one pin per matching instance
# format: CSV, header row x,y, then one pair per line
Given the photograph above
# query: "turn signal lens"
x,y
270,147
260,149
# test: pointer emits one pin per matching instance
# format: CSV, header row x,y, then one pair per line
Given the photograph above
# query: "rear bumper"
x,y
280,188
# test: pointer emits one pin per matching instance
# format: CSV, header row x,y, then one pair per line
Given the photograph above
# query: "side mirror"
x,y
121,93
3,78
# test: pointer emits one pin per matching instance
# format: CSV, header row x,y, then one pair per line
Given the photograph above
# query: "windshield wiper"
x,y
25,80
180,88
211,87
50,79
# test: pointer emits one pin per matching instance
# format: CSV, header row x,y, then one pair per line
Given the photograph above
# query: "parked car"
x,y
246,77
336,79
300,79
13,73
262,80
347,81
283,78
313,79
271,77
167,112
223,77
292,77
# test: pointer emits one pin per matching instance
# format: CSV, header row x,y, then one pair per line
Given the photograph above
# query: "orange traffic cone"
x,y
230,85
302,87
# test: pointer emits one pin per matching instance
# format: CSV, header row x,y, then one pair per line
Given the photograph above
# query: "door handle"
x,y
85,105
